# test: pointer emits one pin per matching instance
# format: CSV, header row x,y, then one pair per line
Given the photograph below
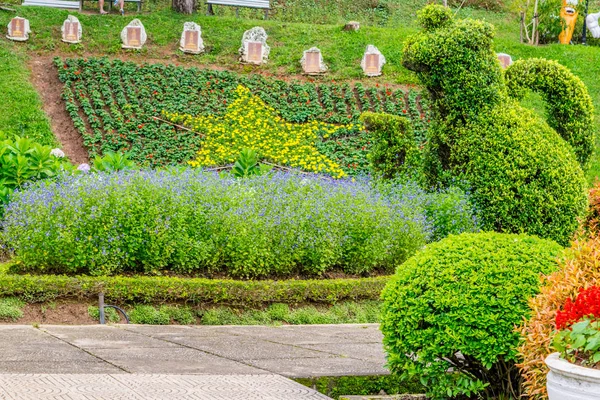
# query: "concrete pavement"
x,y
182,360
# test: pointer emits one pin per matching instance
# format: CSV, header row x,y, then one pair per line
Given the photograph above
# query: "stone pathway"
x,y
159,362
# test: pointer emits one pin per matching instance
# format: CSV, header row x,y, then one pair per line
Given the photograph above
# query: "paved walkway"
x,y
168,362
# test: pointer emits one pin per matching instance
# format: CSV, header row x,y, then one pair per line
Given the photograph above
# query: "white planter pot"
x,y
568,381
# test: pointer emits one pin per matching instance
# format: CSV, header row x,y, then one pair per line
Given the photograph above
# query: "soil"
x,y
64,313
45,79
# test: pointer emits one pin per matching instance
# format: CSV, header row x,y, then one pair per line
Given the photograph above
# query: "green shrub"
x,y
521,176
394,152
337,387
149,315
11,309
569,107
192,222
159,290
450,311
180,314
110,314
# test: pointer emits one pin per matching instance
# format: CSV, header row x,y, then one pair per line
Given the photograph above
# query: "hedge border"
x,y
158,290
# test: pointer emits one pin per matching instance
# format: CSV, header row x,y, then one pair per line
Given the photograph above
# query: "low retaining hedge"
x,y
39,288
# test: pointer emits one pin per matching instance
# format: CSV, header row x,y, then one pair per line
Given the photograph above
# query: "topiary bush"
x,y
569,108
579,270
394,152
450,311
522,176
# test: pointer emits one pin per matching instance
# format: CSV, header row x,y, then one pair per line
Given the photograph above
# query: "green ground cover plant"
x,y
454,306
112,104
345,312
11,309
190,222
522,176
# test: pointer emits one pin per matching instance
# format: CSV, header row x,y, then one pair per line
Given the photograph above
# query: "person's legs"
x,y
122,4
101,5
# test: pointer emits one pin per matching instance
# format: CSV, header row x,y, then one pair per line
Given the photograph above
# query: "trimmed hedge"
x,y
455,305
569,108
158,290
522,177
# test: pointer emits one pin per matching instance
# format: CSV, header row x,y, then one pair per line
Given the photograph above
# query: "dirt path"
x,y
45,79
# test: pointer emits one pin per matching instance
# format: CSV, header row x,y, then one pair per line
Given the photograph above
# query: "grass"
x,y
275,314
21,110
11,309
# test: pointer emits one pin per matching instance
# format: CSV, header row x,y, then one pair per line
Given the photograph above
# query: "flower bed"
x,y
112,104
191,222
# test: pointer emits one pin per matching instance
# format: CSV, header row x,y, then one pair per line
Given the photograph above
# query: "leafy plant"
x,y
111,162
569,107
145,314
247,165
580,343
450,311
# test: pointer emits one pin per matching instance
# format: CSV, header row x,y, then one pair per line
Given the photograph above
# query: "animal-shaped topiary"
x,y
522,175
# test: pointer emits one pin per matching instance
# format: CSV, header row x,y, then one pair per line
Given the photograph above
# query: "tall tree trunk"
x,y
184,6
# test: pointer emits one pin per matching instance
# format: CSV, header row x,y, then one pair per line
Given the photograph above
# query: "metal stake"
x,y
101,308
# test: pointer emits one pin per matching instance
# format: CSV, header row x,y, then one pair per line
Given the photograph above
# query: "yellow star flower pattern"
x,y
249,123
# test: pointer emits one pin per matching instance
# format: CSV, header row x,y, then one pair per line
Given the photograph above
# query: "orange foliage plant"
x,y
581,269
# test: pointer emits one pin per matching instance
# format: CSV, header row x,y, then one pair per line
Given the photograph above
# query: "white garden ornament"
x,y
372,61
254,49
312,62
568,381
18,29
592,22
133,35
191,39
71,30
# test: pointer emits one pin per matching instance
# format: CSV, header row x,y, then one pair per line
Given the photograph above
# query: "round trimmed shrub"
x,y
450,312
569,108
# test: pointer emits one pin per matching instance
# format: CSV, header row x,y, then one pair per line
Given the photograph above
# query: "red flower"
x,y
587,304
140,126
404,111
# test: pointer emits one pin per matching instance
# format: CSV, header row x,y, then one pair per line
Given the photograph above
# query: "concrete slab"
x,y
239,348
314,367
173,361
153,387
57,367
102,337
363,351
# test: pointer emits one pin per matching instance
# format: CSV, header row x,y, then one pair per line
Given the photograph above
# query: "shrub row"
x,y
159,290
196,223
